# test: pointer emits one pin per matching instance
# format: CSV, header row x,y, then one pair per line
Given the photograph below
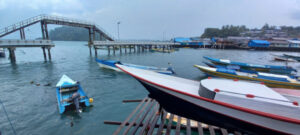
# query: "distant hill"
x,y
67,33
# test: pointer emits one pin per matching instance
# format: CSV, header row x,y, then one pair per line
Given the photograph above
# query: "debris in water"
x,y
37,84
32,82
48,84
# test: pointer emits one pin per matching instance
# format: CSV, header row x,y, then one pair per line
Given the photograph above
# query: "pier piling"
x,y
12,55
44,52
49,53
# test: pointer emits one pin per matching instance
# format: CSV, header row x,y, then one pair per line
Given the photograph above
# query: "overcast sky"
x,y
149,19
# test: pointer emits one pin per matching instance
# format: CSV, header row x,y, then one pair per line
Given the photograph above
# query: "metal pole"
x,y
46,31
118,30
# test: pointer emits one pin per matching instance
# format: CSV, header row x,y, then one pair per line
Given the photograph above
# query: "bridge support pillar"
x,y
44,52
22,34
49,53
134,47
129,48
125,47
114,50
108,48
46,31
120,49
12,55
95,48
143,48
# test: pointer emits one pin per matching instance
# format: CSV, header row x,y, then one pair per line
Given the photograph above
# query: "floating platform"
x,y
148,119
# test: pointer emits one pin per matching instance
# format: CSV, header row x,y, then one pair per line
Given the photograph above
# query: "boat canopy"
x,y
66,81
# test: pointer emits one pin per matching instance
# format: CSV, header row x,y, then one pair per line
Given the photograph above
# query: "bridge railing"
x,y
25,42
41,17
134,42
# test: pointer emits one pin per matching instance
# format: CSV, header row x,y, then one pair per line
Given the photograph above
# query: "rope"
x,y
12,127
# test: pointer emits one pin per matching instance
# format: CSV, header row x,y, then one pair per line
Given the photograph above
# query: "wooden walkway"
x,y
147,119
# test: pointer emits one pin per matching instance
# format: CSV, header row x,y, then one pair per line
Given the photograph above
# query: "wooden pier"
x,y
11,45
129,46
148,118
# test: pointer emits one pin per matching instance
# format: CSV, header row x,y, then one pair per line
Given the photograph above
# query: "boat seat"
x,y
69,89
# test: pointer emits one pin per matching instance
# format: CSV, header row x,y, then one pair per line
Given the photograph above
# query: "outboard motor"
x,y
170,68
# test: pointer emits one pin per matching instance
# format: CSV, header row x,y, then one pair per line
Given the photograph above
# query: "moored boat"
x,y
257,67
271,80
292,56
111,64
65,89
252,108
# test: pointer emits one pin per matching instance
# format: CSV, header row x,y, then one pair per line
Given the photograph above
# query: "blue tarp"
x,y
258,43
182,40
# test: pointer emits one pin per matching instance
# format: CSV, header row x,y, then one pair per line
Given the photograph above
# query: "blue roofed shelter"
x,y
258,43
182,41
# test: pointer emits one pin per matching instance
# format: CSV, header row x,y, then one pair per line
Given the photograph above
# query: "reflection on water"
x,y
28,87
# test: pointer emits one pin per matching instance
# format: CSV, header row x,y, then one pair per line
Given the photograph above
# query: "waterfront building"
x,y
258,43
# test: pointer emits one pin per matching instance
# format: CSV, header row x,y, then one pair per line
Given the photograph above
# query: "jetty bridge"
x,y
93,29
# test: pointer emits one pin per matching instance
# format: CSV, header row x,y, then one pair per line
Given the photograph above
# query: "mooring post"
x,y
44,52
108,48
130,48
114,49
12,55
95,48
125,47
49,53
143,48
134,47
120,49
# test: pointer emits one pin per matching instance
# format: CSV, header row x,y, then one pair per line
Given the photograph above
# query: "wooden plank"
x,y
188,125
224,131
178,125
211,130
143,117
128,118
153,123
237,133
146,124
136,117
162,123
200,129
169,124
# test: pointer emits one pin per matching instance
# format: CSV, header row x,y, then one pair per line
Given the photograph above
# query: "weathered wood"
x,y
96,53
153,123
136,117
114,50
178,125
49,53
200,129
161,126
145,128
169,124
142,118
128,118
188,126
44,52
12,55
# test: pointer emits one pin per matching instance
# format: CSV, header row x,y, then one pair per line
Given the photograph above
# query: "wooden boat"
x,y
111,64
256,67
248,107
284,59
271,80
65,89
292,56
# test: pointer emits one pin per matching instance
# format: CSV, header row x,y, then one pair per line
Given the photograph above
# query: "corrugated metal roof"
x,y
182,39
260,41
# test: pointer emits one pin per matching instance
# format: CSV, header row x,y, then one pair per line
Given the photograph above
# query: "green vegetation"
x,y
67,33
225,31
230,30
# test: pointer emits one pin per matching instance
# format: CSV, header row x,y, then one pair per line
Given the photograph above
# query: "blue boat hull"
x,y
254,67
62,106
111,64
